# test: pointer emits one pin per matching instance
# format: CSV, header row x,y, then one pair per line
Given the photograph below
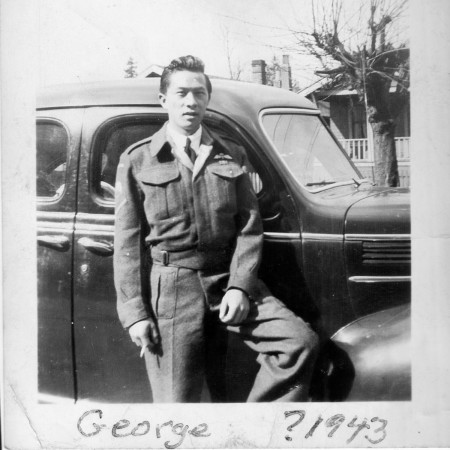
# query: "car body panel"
x,y
55,228
378,347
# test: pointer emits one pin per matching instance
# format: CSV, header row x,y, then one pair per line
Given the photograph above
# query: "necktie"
x,y
190,151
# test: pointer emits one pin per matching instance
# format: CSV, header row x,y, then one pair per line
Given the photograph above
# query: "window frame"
x,y
99,141
51,120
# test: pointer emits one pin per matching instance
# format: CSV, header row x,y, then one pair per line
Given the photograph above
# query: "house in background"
x,y
153,71
346,117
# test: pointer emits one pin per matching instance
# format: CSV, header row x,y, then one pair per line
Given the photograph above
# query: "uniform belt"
x,y
190,259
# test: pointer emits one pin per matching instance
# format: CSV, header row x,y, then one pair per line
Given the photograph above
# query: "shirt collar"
x,y
161,137
180,139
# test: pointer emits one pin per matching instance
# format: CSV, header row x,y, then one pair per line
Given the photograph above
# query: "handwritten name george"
x,y
123,428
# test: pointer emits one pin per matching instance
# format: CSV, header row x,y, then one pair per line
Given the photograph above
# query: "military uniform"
x,y
198,227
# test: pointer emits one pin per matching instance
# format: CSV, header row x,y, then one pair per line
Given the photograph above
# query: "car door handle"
x,y
56,242
98,247
272,218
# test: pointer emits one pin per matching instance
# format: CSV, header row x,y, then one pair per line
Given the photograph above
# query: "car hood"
x,y
382,211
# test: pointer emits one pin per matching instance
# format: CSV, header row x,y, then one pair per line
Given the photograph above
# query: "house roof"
x,y
152,71
314,87
337,91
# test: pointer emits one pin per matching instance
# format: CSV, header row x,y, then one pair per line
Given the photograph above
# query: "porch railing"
x,y
358,149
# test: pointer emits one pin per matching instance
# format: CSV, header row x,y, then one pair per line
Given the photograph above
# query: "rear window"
x,y
51,160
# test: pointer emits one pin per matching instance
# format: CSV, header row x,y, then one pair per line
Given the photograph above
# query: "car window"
x,y
308,149
115,138
51,160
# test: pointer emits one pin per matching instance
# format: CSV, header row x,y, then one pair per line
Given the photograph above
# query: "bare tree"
x,y
369,58
234,68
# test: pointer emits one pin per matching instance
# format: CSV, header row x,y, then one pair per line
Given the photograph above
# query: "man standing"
x,y
185,207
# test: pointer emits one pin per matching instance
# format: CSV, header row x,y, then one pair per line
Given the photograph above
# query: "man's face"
x,y
186,100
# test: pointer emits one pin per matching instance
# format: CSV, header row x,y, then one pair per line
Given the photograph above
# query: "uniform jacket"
x,y
165,203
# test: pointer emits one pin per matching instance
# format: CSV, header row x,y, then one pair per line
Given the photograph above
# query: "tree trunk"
x,y
383,126
385,157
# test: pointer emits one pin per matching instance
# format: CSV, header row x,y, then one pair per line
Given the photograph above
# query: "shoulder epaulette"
x,y
138,144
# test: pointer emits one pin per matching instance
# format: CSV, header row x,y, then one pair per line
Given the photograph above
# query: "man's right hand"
x,y
145,334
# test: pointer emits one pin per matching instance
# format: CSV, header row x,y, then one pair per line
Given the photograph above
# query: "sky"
x,y
89,40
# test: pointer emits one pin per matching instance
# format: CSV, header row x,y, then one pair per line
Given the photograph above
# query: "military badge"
x,y
223,158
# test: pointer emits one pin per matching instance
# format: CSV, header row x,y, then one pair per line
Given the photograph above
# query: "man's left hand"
x,y
234,307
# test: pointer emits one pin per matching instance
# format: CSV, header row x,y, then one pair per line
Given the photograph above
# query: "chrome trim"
x,y
55,221
276,235
94,232
54,228
322,237
42,215
293,110
380,279
377,237
94,228
95,223
97,217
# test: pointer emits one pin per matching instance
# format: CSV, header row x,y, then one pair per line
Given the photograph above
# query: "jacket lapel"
x,y
206,146
158,140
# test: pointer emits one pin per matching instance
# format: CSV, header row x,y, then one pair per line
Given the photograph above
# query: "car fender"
x,y
370,358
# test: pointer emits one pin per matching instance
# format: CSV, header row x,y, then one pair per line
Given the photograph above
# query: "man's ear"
x,y
162,100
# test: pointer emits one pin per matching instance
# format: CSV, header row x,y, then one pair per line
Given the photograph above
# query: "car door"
x,y
108,363
282,252
58,142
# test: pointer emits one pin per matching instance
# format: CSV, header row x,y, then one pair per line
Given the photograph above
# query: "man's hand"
x,y
145,334
234,307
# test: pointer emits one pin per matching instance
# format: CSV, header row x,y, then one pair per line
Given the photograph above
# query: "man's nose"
x,y
190,99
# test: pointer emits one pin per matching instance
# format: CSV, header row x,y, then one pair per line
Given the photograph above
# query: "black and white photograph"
x,y
224,223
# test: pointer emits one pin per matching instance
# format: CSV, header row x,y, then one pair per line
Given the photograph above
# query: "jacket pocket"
x,y
163,291
162,189
222,186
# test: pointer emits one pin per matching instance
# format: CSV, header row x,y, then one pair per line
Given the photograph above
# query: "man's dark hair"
x,y
188,62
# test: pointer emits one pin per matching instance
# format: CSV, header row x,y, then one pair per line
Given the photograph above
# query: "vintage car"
x,y
337,248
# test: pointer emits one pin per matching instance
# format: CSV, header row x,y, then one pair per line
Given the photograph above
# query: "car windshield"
x,y
308,149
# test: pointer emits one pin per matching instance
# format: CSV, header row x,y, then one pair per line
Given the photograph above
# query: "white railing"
x,y
402,148
358,149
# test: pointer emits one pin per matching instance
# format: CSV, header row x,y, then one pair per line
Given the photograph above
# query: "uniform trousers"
x,y
286,345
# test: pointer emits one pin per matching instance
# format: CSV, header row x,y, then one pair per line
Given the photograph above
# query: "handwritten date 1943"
x,y
334,422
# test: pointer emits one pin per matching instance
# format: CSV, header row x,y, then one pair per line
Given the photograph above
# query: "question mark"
x,y
301,416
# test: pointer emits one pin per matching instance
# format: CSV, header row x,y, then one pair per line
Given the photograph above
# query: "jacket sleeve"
x,y
247,253
129,251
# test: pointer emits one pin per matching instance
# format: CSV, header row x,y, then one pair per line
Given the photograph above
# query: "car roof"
x,y
227,96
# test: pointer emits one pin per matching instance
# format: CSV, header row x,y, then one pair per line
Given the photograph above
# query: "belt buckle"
x,y
165,257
